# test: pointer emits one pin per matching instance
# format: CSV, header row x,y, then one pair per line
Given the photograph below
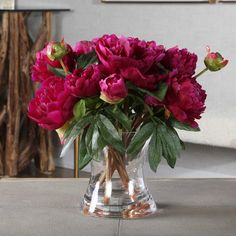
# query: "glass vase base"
x,y
119,205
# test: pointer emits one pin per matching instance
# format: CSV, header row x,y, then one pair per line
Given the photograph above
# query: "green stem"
x,y
64,67
201,72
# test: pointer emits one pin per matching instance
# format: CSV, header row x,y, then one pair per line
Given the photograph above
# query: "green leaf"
x,y
160,93
140,138
79,109
117,114
182,126
84,157
94,140
171,143
75,131
101,143
88,138
109,133
91,102
84,60
167,154
97,143
137,97
141,101
57,71
154,151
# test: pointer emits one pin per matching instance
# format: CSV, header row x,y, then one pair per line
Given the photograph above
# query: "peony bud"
x,y
214,61
113,89
57,50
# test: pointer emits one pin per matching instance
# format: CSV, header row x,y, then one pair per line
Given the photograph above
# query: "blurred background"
x,y
209,153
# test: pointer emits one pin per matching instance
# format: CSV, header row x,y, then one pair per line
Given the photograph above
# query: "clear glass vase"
x,y
117,187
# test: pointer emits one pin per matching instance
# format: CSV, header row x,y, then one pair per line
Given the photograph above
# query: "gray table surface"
x,y
48,207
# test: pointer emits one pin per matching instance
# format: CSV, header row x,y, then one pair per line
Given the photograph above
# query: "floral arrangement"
x,y
119,92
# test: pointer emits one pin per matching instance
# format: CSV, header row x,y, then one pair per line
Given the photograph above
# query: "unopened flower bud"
x,y
57,50
214,61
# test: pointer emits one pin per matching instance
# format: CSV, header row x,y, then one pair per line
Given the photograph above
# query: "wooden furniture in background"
x,y
20,139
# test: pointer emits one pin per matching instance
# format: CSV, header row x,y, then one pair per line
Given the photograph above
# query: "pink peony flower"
x,y
84,83
139,54
113,89
214,61
185,100
136,60
40,71
84,47
181,61
141,67
145,55
52,106
110,46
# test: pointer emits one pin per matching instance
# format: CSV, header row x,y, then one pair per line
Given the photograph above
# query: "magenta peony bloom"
x,y
113,89
145,55
84,83
181,61
185,100
139,54
136,60
40,71
142,65
84,47
110,46
52,106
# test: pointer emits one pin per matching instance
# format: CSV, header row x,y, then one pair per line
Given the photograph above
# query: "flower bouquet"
x,y
125,98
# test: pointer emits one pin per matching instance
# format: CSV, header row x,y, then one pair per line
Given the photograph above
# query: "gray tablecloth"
x,y
50,207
